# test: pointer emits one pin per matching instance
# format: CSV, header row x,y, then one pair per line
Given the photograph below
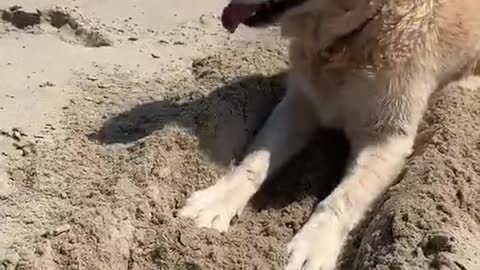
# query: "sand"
x,y
112,113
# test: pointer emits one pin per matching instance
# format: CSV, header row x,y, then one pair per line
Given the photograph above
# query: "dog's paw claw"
x,y
215,206
315,247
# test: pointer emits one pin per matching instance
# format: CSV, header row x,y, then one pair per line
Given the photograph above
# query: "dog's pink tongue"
x,y
234,14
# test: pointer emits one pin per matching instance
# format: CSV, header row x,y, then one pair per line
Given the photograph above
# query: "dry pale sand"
x,y
112,112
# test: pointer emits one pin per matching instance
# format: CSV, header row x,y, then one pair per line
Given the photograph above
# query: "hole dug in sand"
x,y
71,28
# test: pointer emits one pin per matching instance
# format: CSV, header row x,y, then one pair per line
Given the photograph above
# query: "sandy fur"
x,y
371,76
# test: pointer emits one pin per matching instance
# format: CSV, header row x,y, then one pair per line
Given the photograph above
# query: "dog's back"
x,y
458,35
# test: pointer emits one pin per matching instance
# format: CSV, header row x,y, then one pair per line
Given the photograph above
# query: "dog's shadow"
x,y
225,121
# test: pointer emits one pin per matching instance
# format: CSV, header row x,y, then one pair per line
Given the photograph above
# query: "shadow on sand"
x,y
225,121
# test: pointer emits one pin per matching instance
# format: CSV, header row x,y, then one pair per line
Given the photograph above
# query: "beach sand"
x,y
112,113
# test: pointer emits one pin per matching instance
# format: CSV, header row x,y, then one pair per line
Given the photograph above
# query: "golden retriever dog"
x,y
367,67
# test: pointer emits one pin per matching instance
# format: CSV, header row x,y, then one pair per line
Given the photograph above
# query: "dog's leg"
x,y
287,130
374,167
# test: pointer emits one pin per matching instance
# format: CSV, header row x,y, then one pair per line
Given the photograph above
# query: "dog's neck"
x,y
335,24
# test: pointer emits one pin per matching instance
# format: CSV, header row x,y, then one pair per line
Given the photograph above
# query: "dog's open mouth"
x,y
255,15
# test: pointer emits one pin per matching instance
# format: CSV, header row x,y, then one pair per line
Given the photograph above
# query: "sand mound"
x,y
68,25
104,194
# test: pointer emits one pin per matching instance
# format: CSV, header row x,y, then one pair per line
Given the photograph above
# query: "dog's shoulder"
x,y
437,35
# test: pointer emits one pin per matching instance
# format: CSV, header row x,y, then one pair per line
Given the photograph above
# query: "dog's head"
x,y
258,13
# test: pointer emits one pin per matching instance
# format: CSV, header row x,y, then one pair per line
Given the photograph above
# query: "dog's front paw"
x,y
215,206
317,245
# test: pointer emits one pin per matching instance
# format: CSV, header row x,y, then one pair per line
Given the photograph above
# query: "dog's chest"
x,y
343,94
337,103
329,114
